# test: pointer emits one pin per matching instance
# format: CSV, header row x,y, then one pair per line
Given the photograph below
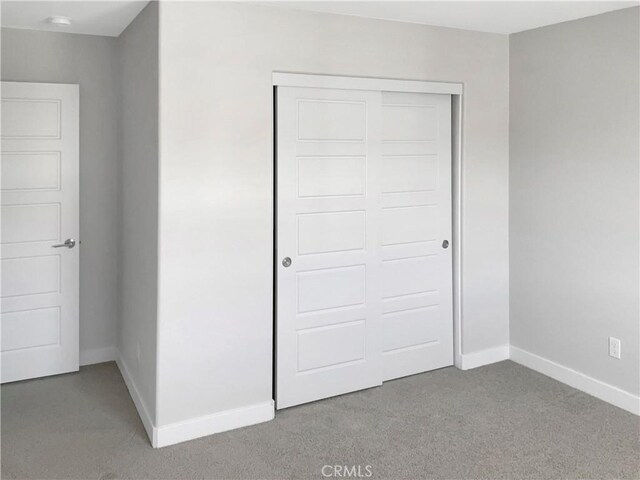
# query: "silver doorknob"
x,y
69,243
286,262
445,244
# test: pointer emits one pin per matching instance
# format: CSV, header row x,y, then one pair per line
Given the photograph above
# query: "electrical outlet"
x,y
614,347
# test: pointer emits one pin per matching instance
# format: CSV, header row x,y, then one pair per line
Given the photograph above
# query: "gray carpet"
x,y
499,421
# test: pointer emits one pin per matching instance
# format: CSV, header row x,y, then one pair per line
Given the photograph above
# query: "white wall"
x,y
215,297
574,150
90,61
137,335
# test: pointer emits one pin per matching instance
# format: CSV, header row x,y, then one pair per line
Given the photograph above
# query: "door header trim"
x,y
283,79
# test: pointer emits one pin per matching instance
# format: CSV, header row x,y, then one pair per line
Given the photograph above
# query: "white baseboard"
x,y
580,381
98,355
196,427
141,406
484,357
214,423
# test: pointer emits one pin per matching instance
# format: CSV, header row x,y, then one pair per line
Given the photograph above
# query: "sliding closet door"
x,y
327,263
415,233
364,266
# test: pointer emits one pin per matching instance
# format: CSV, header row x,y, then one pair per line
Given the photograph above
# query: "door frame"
x,y
455,89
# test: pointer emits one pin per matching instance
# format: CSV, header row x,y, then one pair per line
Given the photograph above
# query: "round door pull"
x,y
286,262
445,244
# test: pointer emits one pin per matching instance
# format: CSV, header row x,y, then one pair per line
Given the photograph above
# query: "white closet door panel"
x,y
408,224
409,276
409,328
351,225
415,219
327,176
331,119
363,208
409,173
328,299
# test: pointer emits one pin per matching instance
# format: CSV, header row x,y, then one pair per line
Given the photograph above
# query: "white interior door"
x,y
39,209
415,221
328,300
363,208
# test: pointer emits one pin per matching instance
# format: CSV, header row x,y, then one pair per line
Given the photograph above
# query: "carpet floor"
x,y
501,421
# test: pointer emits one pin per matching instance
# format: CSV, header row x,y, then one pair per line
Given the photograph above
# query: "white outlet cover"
x,y
614,347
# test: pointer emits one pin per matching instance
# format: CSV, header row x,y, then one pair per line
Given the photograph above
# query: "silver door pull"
x,y
69,243
445,244
286,262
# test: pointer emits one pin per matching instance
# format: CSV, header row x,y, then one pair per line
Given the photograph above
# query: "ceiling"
x,y
110,18
484,16
89,17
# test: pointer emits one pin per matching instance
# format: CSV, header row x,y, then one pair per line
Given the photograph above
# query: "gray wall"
x,y
90,61
138,68
574,200
215,298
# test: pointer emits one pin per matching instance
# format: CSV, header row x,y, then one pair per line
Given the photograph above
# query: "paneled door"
x,y
415,233
40,228
363,215
328,283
